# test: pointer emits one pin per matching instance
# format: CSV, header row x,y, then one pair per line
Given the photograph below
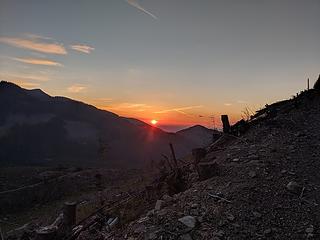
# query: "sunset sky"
x,y
180,62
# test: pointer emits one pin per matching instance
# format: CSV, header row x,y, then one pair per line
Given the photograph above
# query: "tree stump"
x,y
198,154
207,170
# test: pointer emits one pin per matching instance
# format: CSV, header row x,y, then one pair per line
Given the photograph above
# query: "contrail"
x,y
179,110
139,7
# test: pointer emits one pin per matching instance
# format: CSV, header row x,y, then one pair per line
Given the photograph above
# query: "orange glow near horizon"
x,y
154,115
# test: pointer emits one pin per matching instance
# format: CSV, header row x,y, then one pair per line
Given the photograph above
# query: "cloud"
x,y
126,106
179,110
103,99
28,84
24,77
37,61
228,104
36,36
134,105
82,48
135,4
23,80
36,44
77,88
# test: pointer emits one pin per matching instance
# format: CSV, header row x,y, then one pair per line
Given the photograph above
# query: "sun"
x,y
154,122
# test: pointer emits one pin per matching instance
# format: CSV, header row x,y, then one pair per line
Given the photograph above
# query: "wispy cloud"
x,y
103,99
36,36
126,106
77,88
134,105
24,77
28,84
38,61
39,44
228,104
179,110
135,4
82,48
21,79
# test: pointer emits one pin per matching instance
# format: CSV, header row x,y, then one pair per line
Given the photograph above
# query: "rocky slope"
x,y
267,187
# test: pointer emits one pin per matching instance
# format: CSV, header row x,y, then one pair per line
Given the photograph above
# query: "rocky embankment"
x,y
268,186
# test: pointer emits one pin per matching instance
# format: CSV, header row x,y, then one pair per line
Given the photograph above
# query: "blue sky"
x,y
170,60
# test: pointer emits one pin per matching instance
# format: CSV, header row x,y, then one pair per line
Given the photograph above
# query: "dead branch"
x,y
218,197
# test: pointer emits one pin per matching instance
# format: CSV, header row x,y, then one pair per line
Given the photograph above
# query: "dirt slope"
x,y
251,198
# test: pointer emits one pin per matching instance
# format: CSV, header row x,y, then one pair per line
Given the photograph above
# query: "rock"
x,y
139,228
195,205
253,157
257,214
151,236
167,198
194,212
252,174
219,233
188,221
309,229
230,217
159,205
185,237
294,187
162,212
267,231
150,213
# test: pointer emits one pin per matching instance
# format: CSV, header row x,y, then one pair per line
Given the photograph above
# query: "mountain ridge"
x,y
71,130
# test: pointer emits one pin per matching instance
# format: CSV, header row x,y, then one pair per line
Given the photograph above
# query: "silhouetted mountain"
x,y
199,133
36,128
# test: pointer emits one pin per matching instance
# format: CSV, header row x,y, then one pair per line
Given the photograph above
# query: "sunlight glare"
x,y
154,122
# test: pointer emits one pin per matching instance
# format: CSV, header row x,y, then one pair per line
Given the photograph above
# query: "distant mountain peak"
x,y
6,84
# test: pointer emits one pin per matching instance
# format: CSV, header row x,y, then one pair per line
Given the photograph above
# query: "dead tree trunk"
x,y
226,124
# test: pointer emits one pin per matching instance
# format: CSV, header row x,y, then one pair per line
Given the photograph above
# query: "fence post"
x,y
69,214
226,124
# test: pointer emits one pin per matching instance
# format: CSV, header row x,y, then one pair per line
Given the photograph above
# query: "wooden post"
x,y
226,124
173,155
308,84
69,214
